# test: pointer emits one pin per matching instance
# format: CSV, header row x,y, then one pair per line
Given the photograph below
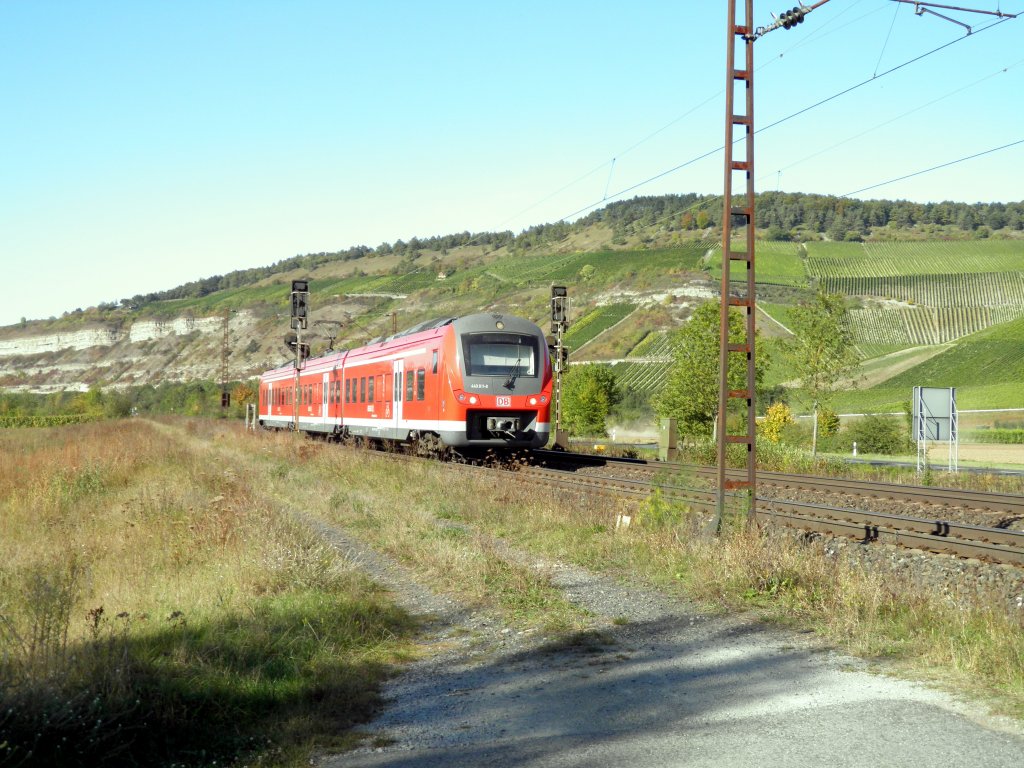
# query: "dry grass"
x,y
136,566
413,512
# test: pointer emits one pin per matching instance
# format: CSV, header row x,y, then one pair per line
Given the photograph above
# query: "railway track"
x,y
1004,503
933,534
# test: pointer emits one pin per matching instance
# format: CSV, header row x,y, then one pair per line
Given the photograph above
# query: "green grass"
x,y
780,312
607,266
871,351
776,262
987,369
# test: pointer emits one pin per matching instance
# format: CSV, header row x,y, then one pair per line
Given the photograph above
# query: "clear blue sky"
x,y
146,144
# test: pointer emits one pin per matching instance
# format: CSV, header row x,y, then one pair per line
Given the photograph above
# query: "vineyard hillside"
x,y
921,293
986,367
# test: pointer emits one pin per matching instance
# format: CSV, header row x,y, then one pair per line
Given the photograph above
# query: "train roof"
x,y
476,323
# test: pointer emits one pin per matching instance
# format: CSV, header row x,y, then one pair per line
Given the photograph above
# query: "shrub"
x,y
879,434
776,419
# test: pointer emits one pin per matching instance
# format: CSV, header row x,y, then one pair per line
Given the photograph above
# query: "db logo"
x,y
503,402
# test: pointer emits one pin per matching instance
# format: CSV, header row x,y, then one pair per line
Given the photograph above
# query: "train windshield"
x,y
500,354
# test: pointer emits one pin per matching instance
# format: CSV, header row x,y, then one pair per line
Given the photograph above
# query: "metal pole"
x,y
738,34
224,351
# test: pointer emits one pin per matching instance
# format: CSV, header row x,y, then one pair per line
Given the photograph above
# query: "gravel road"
x,y
656,683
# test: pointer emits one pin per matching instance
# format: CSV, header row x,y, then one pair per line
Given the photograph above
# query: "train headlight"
x,y
472,399
543,399
533,401
462,396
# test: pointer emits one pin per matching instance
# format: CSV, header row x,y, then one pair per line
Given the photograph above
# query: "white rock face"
x,y
144,330
147,351
148,330
34,345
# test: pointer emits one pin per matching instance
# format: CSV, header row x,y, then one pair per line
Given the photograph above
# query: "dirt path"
x,y
655,683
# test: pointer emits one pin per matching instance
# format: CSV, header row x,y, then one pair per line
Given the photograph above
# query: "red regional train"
x,y
480,381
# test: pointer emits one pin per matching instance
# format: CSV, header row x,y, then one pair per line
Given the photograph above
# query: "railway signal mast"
x,y
299,323
559,323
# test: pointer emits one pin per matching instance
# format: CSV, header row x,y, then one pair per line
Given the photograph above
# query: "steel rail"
x,y
935,535
986,500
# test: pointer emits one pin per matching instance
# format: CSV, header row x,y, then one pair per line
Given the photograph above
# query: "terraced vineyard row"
x,y
920,325
654,344
642,377
990,289
592,324
893,259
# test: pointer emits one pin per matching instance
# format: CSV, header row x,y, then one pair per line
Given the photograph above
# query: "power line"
x,y
969,86
843,92
936,167
871,79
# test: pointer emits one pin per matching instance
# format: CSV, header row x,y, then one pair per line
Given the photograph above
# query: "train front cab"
x,y
500,376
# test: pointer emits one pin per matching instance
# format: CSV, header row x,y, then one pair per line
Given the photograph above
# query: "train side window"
x,y
369,389
348,390
433,367
421,383
362,389
398,387
408,385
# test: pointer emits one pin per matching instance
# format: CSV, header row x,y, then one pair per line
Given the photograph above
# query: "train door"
x,y
324,392
396,400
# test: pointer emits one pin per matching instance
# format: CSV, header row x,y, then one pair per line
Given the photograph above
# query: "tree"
x,y
821,352
690,395
588,393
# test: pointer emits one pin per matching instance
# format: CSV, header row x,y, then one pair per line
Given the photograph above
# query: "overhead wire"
x,y
888,36
969,86
782,120
935,167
